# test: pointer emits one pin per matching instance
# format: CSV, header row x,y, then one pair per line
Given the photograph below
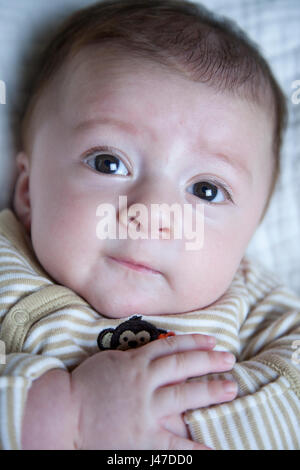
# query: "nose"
x,y
132,344
151,212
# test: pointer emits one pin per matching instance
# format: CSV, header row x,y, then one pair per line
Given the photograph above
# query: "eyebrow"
x,y
131,129
126,126
235,164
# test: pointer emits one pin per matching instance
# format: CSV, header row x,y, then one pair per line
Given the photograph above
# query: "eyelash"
x,y
104,148
223,186
226,190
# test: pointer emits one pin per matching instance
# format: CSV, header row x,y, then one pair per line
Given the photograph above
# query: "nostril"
x,y
132,344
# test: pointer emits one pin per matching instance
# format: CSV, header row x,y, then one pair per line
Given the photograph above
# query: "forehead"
x,y
96,75
156,101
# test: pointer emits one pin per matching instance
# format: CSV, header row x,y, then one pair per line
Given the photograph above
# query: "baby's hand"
x,y
124,397
175,423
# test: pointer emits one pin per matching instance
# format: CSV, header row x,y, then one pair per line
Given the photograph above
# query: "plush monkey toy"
x,y
132,333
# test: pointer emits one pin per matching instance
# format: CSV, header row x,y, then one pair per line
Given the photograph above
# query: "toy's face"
x,y
171,141
129,339
130,334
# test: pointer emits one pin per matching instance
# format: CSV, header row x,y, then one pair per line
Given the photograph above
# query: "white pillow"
x,y
272,24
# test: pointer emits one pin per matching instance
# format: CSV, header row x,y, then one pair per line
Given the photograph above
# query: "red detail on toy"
x,y
165,335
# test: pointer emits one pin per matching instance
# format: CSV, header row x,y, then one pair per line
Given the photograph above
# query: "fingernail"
x,y
210,340
229,359
229,387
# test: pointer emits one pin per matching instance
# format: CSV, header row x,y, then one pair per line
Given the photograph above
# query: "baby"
x,y
159,102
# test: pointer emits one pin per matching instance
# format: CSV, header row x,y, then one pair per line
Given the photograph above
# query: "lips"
x,y
137,266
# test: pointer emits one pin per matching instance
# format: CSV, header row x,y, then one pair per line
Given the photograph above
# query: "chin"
x,y
121,309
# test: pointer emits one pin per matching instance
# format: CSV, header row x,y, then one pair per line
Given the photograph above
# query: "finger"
x,y
169,441
191,395
175,424
174,344
181,366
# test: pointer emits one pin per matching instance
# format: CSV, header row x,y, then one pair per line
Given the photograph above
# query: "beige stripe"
x,y
278,323
65,315
194,427
222,312
67,343
229,305
279,405
12,264
185,325
11,417
283,368
294,404
72,356
253,425
91,336
212,432
184,322
26,282
251,367
50,346
268,283
24,394
263,277
92,314
264,284
274,329
256,320
257,294
261,281
246,385
240,426
17,280
273,408
279,305
4,306
24,371
284,293
268,425
14,255
227,433
200,437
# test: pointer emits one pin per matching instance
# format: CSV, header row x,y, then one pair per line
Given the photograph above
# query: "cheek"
x,y
207,273
63,228
61,205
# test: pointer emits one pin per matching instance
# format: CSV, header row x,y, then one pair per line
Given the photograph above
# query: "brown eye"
x,y
106,163
205,190
208,192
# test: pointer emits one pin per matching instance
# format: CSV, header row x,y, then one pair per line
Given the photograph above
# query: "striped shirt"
x,y
45,326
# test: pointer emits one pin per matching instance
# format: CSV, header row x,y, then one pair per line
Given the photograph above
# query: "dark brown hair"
x,y
182,35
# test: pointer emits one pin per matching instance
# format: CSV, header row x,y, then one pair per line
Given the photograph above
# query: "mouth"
x,y
134,265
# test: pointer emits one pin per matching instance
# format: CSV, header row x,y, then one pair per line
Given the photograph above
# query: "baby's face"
x,y
171,135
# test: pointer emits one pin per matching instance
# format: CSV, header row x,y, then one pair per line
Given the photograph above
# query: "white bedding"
x,y
273,24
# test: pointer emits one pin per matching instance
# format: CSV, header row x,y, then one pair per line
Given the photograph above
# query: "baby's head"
x,y
158,102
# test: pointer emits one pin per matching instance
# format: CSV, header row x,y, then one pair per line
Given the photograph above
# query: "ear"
x,y
21,199
104,339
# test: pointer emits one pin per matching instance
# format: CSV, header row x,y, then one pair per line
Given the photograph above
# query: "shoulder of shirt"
x,y
31,289
13,234
254,274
